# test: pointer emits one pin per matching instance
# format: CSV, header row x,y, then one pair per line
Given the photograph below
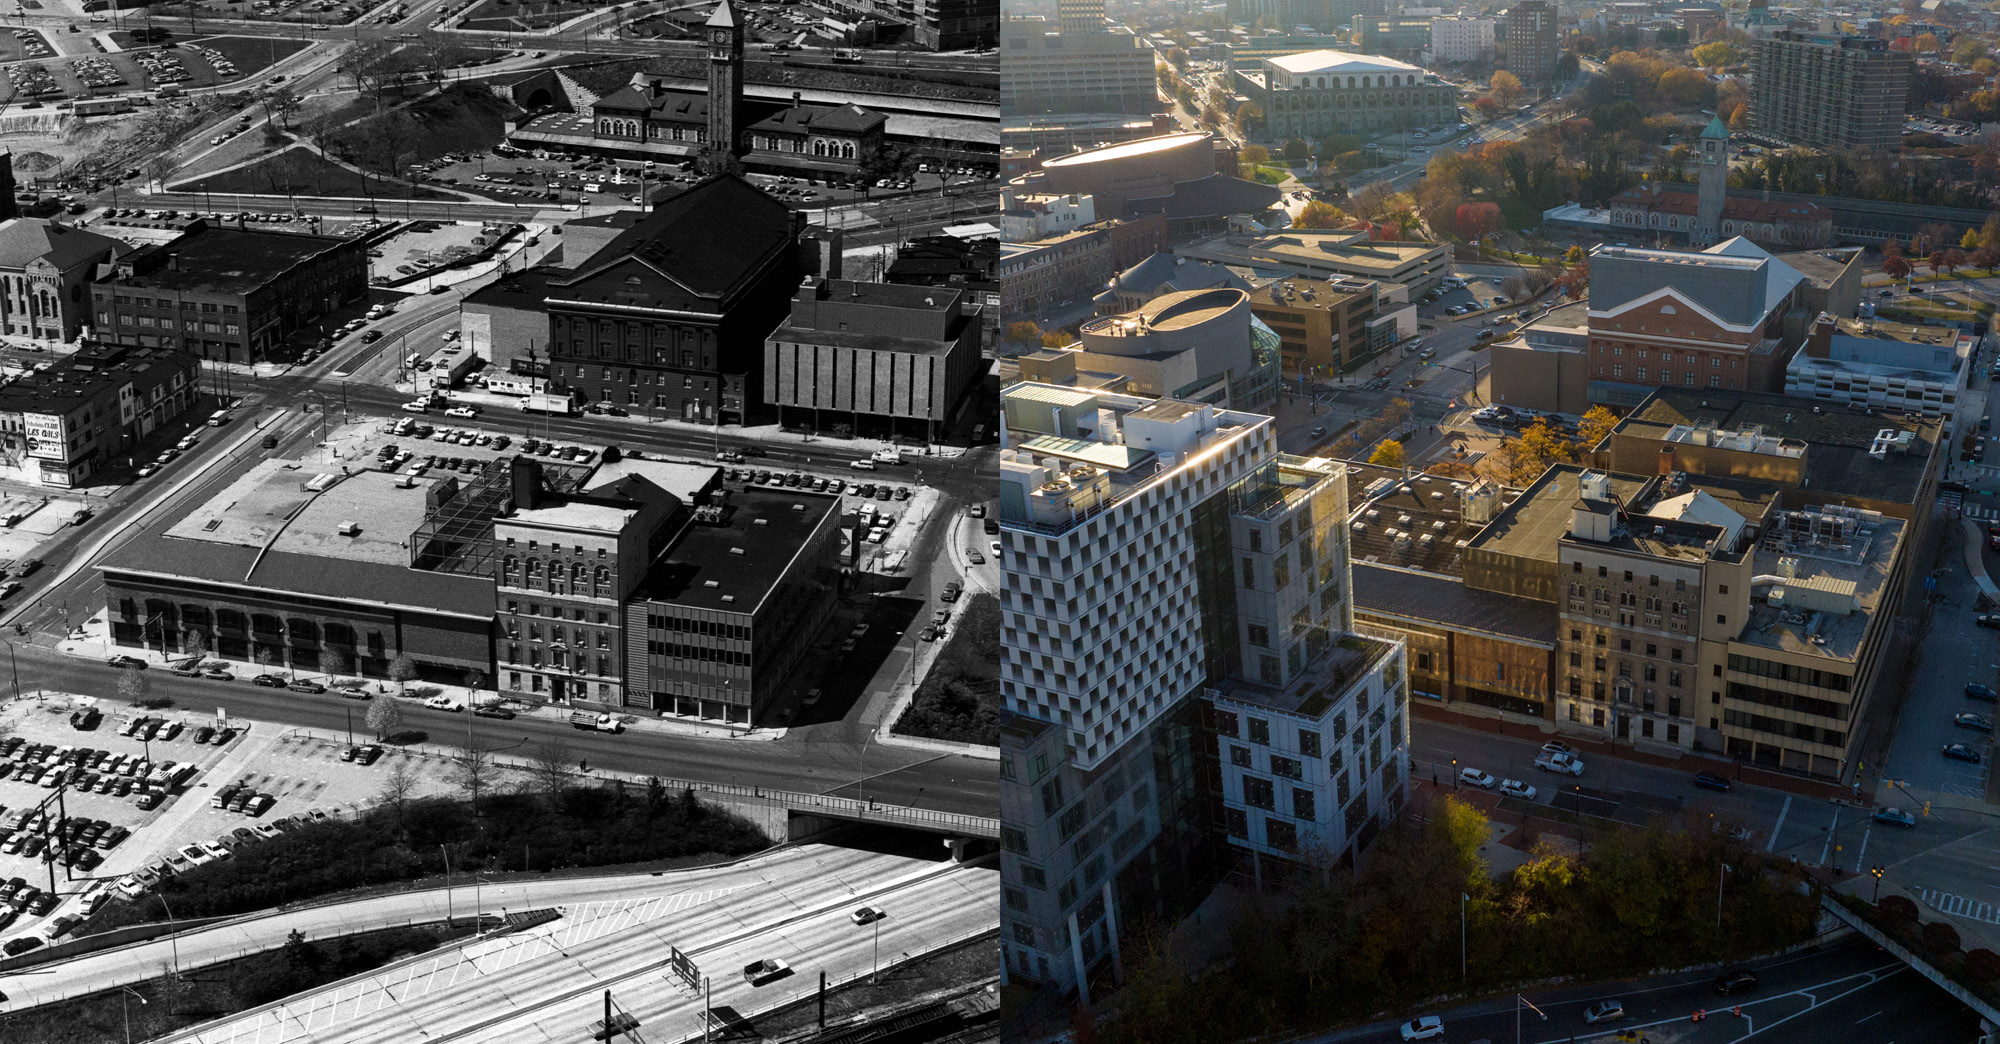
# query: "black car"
x,y
1988,620
132,662
1981,692
1973,722
493,712
302,685
269,681
1735,982
17,947
1711,781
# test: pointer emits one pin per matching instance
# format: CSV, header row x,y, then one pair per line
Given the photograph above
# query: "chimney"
x,y
1666,460
526,475
796,97
1819,339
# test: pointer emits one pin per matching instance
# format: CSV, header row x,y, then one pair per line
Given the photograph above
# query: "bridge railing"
x,y
980,826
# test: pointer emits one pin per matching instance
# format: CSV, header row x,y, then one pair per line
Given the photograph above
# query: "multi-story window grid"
x,y
561,626
1829,92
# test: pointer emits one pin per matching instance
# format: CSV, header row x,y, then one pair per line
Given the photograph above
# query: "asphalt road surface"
x,y
1846,993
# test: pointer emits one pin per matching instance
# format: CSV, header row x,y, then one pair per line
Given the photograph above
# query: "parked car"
x,y
1711,781
1473,777
493,712
1514,788
1961,752
1560,764
444,703
132,662
269,681
304,685
1424,1027
1988,619
1973,722
1983,693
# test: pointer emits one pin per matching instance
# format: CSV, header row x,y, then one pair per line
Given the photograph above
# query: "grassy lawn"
x,y
960,697
1269,175
301,172
462,119
252,55
524,14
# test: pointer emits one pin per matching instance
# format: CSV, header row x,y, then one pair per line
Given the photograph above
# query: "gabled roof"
x,y
23,240
708,239
848,119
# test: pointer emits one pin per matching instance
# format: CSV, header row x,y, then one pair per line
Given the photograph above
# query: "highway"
x,y
547,983
1848,992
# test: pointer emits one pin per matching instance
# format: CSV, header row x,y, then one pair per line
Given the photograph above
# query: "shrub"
x,y
1898,911
1941,939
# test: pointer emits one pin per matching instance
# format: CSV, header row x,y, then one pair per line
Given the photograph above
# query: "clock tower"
x,y
724,149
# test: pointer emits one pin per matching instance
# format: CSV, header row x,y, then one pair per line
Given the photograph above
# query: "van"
x,y
218,418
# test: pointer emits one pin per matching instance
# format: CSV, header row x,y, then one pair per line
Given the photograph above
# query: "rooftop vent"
x,y
711,583
766,521
348,529
729,598
736,551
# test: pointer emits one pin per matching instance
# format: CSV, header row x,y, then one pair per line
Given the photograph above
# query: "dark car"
x,y
203,734
493,712
1981,692
1988,619
1973,722
1711,781
1957,752
269,681
17,947
42,904
1736,981
224,736
367,754
132,662
302,685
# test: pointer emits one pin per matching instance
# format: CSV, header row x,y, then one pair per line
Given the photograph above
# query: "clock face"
x,y
720,37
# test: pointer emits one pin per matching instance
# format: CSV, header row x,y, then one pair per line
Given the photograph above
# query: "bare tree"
x,y
402,671
549,763
160,165
385,717
334,663
399,786
475,772
194,642
134,685
280,105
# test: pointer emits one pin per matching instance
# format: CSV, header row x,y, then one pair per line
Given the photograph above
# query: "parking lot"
x,y
154,780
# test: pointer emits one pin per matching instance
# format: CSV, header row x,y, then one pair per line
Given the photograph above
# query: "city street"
x,y
1847,993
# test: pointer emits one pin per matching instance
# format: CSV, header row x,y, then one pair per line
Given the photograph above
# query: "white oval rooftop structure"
x,y
1127,150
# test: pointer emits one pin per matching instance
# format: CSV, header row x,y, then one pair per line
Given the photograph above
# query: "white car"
x,y
1514,788
1472,777
417,406
1562,764
444,703
866,915
462,411
1428,1027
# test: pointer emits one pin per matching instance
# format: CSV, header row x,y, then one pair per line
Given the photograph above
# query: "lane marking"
x,y
1784,810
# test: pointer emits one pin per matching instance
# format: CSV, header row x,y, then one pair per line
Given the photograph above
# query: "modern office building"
x,y
1403,37
670,317
1829,92
1318,93
1170,577
1532,42
1196,345
882,351
1325,325
1329,254
1462,38
1101,72
77,420
229,295
46,268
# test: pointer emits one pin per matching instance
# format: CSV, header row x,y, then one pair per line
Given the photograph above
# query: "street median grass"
x,y
561,826
960,697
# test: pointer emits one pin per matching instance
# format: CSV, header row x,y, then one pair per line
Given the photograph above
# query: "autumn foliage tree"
x,y
1895,266
1506,89
1319,213
1474,220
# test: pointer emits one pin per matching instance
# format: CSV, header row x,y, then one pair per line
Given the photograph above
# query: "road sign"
x,y
683,968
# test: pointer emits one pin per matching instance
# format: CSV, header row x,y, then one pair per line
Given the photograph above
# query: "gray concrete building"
x,y
1829,92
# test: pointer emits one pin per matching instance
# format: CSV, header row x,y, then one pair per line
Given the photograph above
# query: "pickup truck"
x,y
596,722
1565,764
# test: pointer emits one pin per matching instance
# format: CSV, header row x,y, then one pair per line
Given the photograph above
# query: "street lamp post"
x,y
1518,1002
173,941
1463,898
1877,871
125,1006
13,666
447,886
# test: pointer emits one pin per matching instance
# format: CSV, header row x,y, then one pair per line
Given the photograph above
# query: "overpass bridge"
x,y
797,816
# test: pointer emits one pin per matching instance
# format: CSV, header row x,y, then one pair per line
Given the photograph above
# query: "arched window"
x,y
1322,83
600,586
1350,82
579,575
1395,81
534,572
509,567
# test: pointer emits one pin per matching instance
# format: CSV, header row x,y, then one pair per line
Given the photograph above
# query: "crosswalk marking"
x,y
1958,906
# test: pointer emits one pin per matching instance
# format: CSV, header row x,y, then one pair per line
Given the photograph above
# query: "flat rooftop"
x,y
684,479
1415,524
1329,680
1857,564
1126,150
1541,514
574,515
1391,592
214,259
270,506
1837,438
733,565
